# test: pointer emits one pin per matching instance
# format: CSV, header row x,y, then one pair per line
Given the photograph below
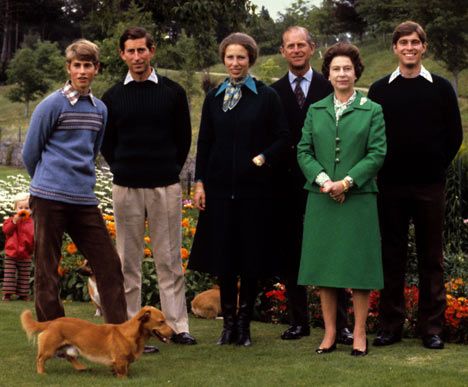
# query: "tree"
x,y
381,17
32,71
446,24
266,32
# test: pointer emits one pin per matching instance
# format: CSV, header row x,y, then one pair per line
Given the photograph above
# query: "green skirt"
x,y
341,243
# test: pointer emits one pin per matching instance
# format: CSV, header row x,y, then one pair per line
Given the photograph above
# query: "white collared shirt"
x,y
152,77
305,84
423,73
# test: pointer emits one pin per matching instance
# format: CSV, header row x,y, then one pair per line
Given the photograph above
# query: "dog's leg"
x,y
45,350
75,363
120,368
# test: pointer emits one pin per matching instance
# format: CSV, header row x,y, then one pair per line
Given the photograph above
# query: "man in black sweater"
x,y
424,133
147,140
298,89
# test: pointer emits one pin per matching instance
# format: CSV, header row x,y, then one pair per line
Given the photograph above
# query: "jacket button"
x,y
337,149
337,139
337,160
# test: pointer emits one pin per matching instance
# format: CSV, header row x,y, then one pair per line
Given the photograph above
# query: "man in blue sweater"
x,y
62,142
424,131
147,140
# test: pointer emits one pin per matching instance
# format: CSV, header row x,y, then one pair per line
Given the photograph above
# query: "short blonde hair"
x,y
82,49
20,197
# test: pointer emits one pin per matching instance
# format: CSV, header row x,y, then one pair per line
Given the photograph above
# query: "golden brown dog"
x,y
207,304
116,345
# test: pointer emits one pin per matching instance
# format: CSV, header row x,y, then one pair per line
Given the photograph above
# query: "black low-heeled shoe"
x,y
357,352
321,351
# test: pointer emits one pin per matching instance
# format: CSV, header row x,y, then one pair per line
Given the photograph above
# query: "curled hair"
x,y
84,50
133,33
407,28
343,49
242,39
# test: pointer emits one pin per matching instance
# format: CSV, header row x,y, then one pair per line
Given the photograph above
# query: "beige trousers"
x,y
162,208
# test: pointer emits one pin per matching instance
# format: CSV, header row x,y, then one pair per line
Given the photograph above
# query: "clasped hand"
x,y
336,190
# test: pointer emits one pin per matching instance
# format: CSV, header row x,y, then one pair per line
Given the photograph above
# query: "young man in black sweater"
x,y
424,133
297,48
147,140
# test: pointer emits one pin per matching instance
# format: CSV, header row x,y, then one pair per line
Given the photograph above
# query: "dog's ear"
x,y
145,317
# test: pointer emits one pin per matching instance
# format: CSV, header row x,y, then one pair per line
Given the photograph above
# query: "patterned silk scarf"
x,y
233,93
340,107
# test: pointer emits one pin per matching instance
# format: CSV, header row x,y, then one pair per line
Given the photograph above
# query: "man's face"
x,y
409,49
82,73
138,57
296,50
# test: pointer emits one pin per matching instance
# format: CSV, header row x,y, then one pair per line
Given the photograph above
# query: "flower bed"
x,y
271,303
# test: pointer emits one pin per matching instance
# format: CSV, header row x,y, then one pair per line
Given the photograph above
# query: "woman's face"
x,y
236,61
342,75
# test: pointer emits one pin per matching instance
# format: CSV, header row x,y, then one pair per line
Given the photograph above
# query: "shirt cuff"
x,y
321,178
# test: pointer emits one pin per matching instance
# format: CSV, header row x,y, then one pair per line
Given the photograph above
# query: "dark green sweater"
x,y
423,128
148,133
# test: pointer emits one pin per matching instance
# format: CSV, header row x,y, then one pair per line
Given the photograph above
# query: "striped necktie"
x,y
300,97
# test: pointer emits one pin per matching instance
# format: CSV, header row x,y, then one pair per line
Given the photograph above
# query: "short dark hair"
x,y
343,49
136,33
242,39
407,28
298,28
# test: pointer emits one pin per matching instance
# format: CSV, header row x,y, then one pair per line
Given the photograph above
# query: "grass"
x,y
6,171
269,362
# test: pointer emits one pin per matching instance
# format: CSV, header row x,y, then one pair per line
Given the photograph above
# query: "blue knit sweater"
x,y
60,148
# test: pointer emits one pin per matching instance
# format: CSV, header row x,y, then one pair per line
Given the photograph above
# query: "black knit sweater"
x,y
148,133
423,128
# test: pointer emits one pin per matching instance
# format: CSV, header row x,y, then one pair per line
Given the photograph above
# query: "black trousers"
x,y
87,229
425,205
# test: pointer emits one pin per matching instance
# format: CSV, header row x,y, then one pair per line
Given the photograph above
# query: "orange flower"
x,y
60,269
147,239
185,223
71,248
184,253
193,230
147,252
24,214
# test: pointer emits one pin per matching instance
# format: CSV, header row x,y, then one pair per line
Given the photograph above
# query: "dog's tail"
x,y
30,325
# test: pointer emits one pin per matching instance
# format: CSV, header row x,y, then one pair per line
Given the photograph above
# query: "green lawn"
x,y
269,362
6,171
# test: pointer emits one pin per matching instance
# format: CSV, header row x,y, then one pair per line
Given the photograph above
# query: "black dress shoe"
x,y
150,349
295,332
344,336
357,352
183,338
321,351
433,342
386,338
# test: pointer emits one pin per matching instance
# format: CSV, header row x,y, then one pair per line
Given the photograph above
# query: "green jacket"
x,y
356,146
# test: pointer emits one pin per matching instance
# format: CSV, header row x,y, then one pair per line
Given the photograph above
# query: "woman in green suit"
x,y
342,148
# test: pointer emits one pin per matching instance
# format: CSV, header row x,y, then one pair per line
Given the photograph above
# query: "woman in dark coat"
x,y
243,130
342,148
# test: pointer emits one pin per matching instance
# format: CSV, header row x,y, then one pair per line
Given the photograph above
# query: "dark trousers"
x,y
87,229
424,204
